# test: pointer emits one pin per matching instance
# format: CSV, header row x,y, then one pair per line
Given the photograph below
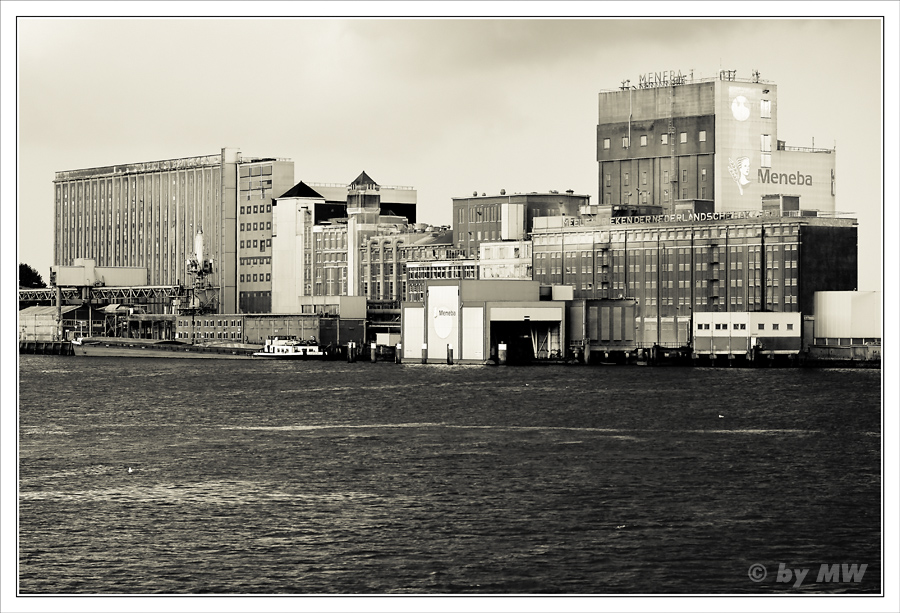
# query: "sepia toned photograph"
x,y
324,307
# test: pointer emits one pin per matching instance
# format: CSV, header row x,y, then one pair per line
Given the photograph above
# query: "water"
x,y
332,478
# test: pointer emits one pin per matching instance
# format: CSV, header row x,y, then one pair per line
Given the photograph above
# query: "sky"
x,y
447,106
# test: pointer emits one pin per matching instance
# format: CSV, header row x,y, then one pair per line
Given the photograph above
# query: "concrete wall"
x,y
847,314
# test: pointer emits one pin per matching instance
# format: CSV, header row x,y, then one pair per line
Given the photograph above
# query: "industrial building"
x,y
472,321
479,219
148,215
669,137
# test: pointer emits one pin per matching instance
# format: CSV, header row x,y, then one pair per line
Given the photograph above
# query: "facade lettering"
x,y
766,176
690,217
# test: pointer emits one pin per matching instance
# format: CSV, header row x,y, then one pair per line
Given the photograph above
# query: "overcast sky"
x,y
448,106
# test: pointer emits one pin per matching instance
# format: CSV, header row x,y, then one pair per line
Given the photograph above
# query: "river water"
x,y
258,477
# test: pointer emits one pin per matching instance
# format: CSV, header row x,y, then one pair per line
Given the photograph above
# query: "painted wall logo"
x,y
740,171
740,108
443,321
765,175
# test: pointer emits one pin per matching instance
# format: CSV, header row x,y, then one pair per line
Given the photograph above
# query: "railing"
x,y
687,80
161,165
806,149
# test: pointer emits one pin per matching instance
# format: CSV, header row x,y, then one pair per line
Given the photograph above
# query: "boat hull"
x,y
117,350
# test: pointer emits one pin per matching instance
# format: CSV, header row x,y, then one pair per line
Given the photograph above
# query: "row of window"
x,y
256,226
478,214
256,208
261,243
220,335
663,139
248,278
210,323
742,326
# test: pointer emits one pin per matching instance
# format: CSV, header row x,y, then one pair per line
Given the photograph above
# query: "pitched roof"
x,y
301,190
363,180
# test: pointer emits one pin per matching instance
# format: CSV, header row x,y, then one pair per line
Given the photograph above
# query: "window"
x,y
737,326
643,140
625,179
702,136
663,139
644,177
684,175
624,142
606,143
608,181
765,160
703,174
761,326
790,326
765,109
682,137
765,142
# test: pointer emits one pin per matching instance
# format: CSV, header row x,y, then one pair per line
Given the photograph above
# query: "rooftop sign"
x,y
662,79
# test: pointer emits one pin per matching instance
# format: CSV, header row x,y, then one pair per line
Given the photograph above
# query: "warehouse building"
x,y
669,136
471,321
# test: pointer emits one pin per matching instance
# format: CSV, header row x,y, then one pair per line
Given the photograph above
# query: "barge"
x,y
142,348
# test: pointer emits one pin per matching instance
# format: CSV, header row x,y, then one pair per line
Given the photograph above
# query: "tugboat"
x,y
290,348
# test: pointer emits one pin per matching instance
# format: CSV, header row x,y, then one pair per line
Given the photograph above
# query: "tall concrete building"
x,y
148,215
670,137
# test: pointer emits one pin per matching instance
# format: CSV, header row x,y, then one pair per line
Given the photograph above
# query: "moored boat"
x,y
145,348
291,348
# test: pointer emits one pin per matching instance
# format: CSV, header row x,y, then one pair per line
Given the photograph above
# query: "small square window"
x,y
790,326
606,143
774,326
625,142
663,139
761,326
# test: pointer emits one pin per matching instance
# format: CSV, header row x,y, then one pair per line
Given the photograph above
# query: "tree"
x,y
29,277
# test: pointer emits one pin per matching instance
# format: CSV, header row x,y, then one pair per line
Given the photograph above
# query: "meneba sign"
x,y
765,175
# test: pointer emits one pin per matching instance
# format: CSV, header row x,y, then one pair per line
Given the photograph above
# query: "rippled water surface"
x,y
333,478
